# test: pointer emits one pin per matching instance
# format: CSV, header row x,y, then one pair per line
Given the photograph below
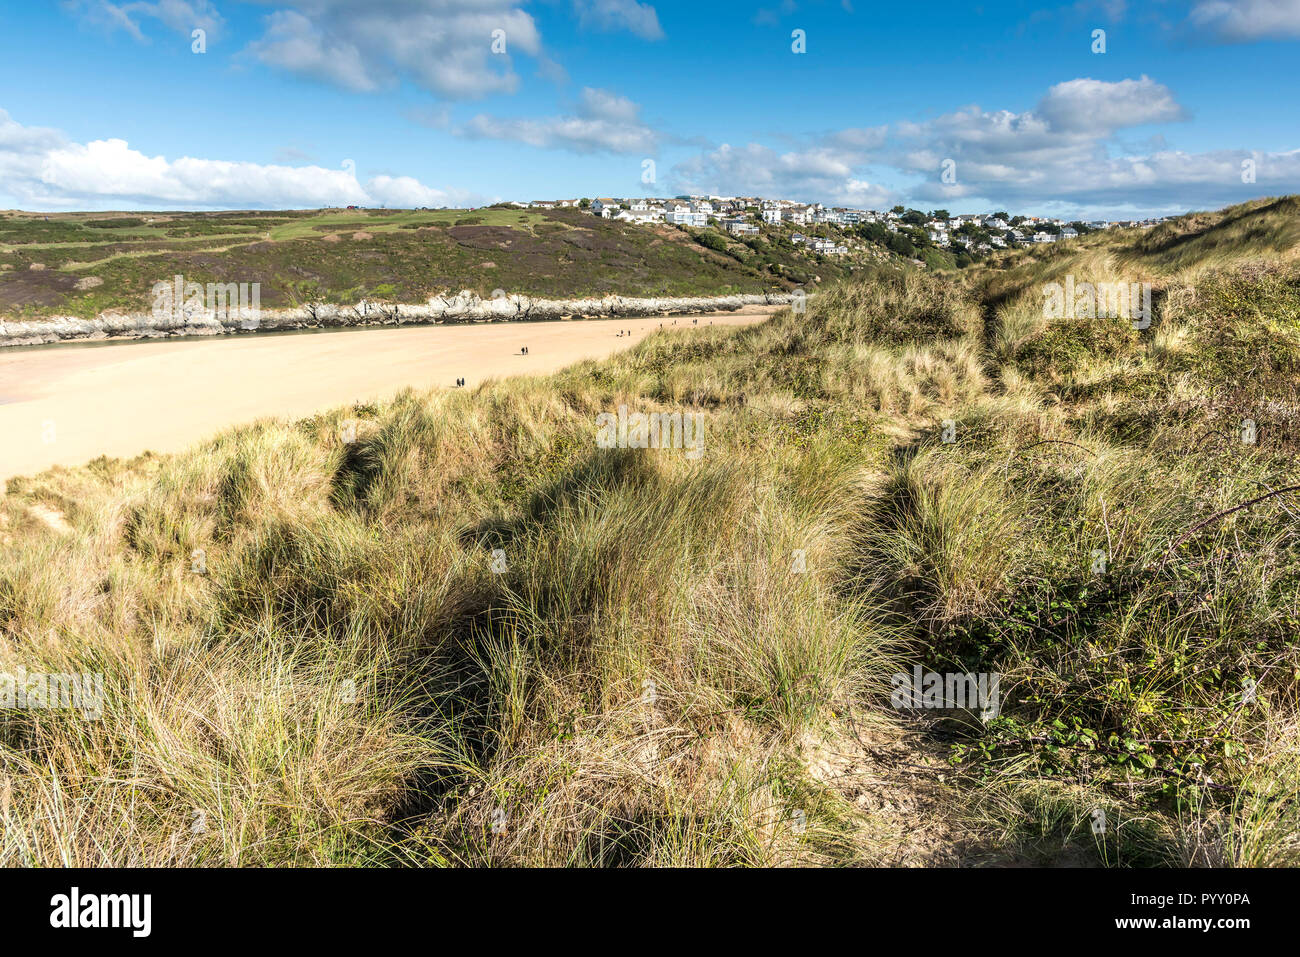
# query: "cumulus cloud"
x,y
41,168
20,144
1096,106
407,191
604,123
819,172
1244,21
1063,153
1011,171
444,46
613,15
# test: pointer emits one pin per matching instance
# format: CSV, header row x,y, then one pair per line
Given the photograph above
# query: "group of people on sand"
x,y
523,350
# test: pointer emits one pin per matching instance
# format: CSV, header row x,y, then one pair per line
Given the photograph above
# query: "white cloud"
x,y
606,105
820,172
20,144
406,191
611,15
444,46
41,169
293,43
179,16
1242,21
1063,153
1017,159
604,123
1100,107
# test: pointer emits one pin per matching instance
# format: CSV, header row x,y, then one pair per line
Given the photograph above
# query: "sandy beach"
x,y
68,404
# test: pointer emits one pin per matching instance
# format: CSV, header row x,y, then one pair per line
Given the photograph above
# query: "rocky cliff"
x,y
463,307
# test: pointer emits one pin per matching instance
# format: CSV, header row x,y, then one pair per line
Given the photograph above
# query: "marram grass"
x,y
472,637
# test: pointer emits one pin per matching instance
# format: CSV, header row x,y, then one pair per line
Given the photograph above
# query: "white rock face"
x,y
465,306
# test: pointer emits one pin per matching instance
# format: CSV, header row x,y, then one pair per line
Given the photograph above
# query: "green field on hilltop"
x,y
84,263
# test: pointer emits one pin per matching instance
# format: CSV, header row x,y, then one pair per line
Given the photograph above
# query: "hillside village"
x,y
904,231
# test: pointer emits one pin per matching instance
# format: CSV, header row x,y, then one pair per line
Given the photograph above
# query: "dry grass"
x,y
313,654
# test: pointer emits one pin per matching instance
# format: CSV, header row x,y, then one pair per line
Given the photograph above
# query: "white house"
x,y
829,246
681,215
772,215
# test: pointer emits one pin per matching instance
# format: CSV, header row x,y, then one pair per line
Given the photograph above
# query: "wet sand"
x,y
68,404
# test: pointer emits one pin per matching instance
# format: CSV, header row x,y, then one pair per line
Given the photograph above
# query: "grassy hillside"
x,y
688,662
84,263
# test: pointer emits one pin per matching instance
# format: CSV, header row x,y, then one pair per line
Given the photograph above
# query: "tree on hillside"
x,y
874,232
902,245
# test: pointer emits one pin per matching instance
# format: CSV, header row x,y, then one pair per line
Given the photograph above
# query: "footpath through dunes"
x,y
66,405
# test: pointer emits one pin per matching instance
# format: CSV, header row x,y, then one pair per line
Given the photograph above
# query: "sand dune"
x,y
65,405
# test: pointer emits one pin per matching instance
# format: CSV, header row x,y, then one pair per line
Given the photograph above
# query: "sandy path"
x,y
66,405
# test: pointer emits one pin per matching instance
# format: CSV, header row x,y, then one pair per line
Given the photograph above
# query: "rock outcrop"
x,y
465,306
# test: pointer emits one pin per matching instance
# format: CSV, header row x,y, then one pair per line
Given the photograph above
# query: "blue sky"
x,y
300,103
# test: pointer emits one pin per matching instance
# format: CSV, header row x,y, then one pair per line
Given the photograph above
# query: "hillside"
x,y
81,264
474,636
